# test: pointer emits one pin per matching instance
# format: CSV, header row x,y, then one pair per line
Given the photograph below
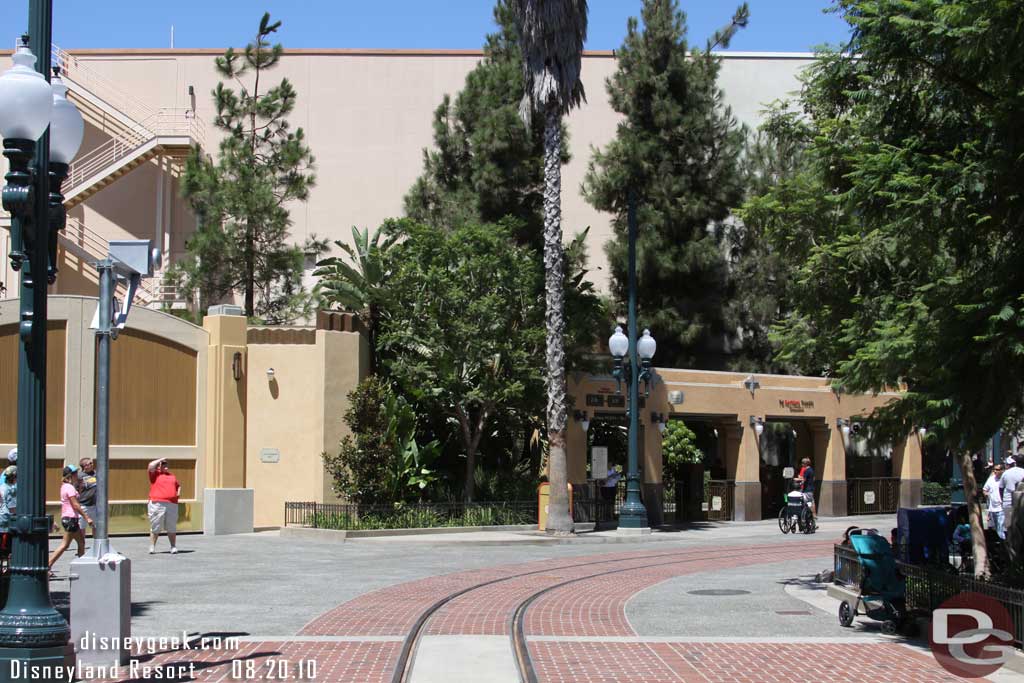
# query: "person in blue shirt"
x,y
806,480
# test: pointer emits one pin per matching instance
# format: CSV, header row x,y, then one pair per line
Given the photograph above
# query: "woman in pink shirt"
x,y
70,511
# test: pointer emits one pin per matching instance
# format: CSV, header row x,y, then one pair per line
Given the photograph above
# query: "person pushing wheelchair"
x,y
805,479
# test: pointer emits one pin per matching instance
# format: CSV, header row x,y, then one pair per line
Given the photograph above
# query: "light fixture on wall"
x,y
758,424
270,374
236,365
844,426
581,417
922,431
660,420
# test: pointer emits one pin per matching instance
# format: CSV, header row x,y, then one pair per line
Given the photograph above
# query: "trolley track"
x,y
527,674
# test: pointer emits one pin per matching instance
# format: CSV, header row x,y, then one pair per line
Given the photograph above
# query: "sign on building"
x,y
598,462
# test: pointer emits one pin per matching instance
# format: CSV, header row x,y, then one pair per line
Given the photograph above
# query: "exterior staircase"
x,y
139,134
89,247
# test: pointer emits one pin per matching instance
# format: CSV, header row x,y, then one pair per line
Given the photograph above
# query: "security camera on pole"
x,y
101,592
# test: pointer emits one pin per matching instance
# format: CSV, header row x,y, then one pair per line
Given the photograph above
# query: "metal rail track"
x,y
527,674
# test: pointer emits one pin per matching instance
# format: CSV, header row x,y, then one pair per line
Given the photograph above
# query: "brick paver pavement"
x,y
568,626
657,662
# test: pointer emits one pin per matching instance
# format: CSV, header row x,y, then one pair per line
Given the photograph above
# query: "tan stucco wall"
x,y
299,415
367,117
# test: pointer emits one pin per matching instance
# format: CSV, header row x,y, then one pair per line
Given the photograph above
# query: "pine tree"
x,y
486,164
241,198
678,149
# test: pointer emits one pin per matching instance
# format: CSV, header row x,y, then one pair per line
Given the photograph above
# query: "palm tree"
x,y
551,36
356,282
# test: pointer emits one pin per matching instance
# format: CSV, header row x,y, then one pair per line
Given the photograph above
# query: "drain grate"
x,y
719,591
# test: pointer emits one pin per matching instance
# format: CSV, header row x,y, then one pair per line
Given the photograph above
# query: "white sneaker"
x,y
174,551
152,549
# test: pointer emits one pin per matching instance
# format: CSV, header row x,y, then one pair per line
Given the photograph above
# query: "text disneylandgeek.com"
x,y
242,668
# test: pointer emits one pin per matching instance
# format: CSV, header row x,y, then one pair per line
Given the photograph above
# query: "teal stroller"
x,y
882,590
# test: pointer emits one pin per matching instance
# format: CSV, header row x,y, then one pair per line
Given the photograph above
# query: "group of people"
x,y
78,503
999,488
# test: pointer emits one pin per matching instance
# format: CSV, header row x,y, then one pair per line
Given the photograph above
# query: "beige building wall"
x,y
295,415
368,116
724,399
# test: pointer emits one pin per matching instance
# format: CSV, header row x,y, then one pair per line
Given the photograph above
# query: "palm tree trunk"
x,y
559,521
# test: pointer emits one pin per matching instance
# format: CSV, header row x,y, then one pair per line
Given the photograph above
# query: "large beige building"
x,y
367,115
243,407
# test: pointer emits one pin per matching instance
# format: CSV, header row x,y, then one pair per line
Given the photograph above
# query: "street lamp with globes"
x,y
32,632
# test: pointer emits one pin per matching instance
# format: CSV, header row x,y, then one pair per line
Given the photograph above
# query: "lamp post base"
x,y
42,664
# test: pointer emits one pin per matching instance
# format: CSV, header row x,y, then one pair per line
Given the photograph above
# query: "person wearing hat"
x,y
8,496
1009,482
70,511
163,504
12,459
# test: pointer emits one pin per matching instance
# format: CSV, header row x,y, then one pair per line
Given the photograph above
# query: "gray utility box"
x,y
101,607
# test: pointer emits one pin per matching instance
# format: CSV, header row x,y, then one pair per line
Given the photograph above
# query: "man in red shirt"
x,y
163,504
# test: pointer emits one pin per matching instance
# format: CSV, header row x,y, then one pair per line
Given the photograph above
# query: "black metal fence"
x,y
929,587
720,499
872,496
353,517
593,503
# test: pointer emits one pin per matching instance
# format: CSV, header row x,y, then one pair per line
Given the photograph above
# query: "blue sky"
x,y
775,25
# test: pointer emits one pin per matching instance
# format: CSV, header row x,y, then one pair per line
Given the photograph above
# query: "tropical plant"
x,y
677,152
381,461
463,335
357,281
551,36
242,198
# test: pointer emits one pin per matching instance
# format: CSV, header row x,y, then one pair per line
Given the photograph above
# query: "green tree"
x,y
485,163
357,281
678,448
463,335
551,36
678,150
759,271
905,223
381,462
242,197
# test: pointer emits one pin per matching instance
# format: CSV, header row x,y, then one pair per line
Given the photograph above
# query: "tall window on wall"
x,y
55,379
152,392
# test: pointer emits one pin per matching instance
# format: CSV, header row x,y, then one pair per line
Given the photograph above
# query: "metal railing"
x,y
75,70
724,490
872,496
848,570
95,247
164,122
928,588
353,517
590,503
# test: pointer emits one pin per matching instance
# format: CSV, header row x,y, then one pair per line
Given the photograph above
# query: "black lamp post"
x,y
633,514
32,632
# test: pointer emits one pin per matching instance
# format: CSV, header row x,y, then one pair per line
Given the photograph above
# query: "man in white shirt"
x,y
994,494
1012,478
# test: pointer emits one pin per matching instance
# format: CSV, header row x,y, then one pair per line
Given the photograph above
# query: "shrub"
x,y
933,493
